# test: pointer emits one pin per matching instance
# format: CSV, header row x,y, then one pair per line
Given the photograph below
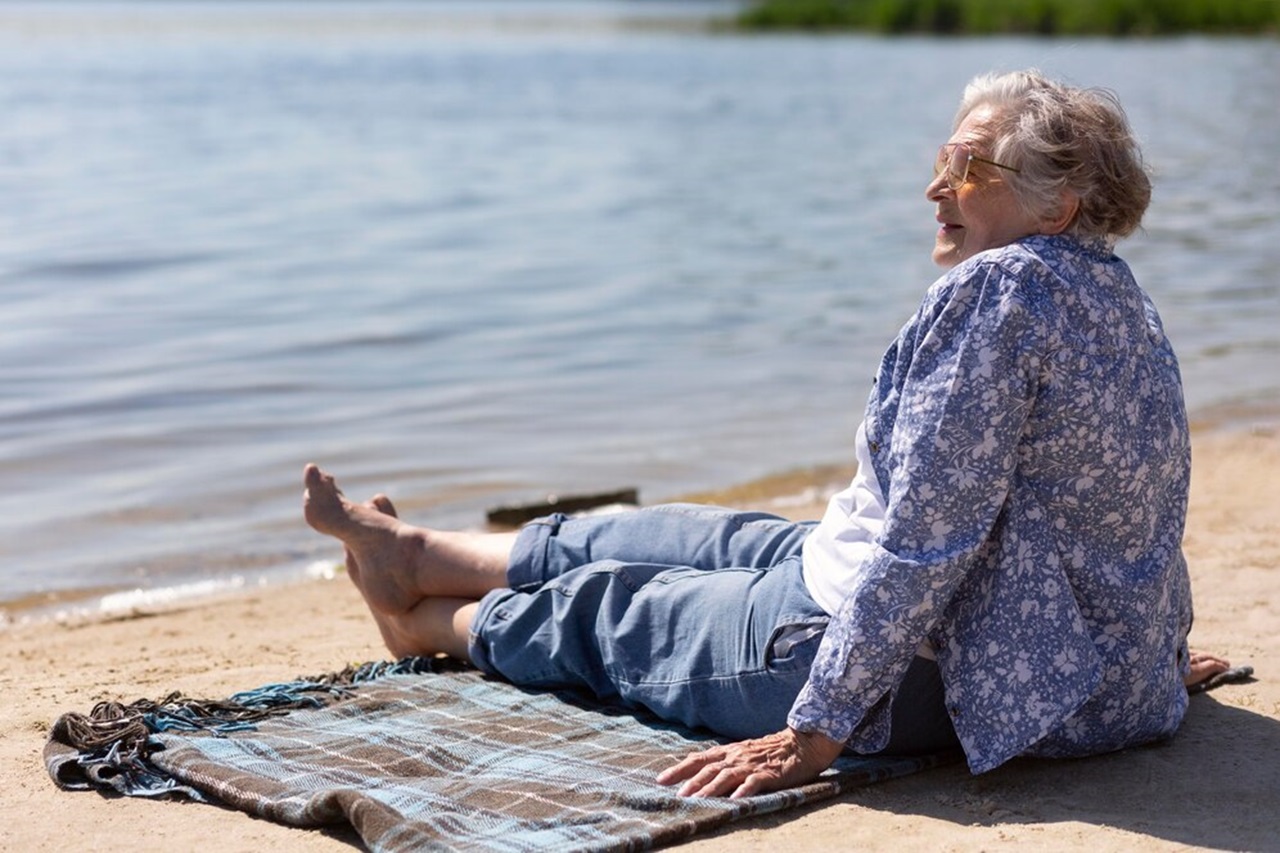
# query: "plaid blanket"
x,y
415,757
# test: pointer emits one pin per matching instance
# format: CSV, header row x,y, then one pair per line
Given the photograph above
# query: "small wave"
x,y
95,268
126,604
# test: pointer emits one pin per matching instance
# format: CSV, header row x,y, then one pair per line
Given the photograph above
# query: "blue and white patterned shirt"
x,y
1028,429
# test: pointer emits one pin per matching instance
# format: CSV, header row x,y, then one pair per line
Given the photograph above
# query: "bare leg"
x,y
433,625
398,565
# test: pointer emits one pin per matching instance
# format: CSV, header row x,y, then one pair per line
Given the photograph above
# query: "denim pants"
x,y
699,614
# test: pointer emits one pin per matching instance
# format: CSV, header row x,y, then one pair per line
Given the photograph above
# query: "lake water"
x,y
474,253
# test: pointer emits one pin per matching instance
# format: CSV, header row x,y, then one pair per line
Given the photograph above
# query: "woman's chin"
x,y
946,256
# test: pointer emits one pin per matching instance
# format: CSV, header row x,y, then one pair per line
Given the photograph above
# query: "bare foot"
x,y
380,503
389,556
393,636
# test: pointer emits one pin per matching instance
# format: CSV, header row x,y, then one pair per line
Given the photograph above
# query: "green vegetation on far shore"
x,y
1040,17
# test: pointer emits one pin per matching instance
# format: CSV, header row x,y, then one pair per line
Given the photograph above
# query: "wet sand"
x,y
1213,787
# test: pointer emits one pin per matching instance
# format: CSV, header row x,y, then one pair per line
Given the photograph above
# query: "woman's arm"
x,y
944,426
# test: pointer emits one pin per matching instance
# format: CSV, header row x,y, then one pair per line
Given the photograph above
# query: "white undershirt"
x,y
836,551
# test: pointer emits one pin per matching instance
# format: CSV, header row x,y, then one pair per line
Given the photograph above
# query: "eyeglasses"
x,y
954,159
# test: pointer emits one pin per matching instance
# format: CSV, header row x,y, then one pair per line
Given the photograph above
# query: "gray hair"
x,y
1063,137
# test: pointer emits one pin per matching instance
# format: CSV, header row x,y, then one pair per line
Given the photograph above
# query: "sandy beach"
x,y
1214,787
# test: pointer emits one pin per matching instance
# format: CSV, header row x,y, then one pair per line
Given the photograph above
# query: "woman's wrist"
x,y
816,749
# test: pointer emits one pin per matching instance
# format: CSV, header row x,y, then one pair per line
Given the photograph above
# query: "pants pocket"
x,y
794,643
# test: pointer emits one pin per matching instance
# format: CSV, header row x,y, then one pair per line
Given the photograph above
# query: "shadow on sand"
x,y
1215,785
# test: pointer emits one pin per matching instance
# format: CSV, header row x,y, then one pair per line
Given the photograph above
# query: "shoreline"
x,y
797,490
1212,787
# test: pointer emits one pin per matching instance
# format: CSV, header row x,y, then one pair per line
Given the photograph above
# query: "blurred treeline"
x,y
1044,17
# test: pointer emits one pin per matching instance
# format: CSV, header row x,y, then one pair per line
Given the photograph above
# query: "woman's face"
x,y
982,213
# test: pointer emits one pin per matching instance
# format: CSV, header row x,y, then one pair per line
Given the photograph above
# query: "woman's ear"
x,y
1060,220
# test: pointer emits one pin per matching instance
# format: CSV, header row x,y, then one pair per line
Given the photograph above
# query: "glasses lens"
x,y
953,158
958,167
944,160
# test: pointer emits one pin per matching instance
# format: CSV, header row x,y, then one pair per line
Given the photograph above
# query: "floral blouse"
x,y
1028,429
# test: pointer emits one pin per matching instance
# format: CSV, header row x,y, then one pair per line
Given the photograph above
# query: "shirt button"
x,y
954,711
875,446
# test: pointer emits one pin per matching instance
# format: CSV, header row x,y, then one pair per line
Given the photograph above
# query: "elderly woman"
x,y
1004,572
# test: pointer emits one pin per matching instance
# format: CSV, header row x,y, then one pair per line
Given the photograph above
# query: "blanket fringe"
x,y
116,740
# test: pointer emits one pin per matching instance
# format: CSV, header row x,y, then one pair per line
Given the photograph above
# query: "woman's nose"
x,y
937,189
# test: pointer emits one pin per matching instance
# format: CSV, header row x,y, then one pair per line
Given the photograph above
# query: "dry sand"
x,y
1216,786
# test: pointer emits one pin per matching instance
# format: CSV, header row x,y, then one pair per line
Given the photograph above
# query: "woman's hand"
x,y
769,763
1204,666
